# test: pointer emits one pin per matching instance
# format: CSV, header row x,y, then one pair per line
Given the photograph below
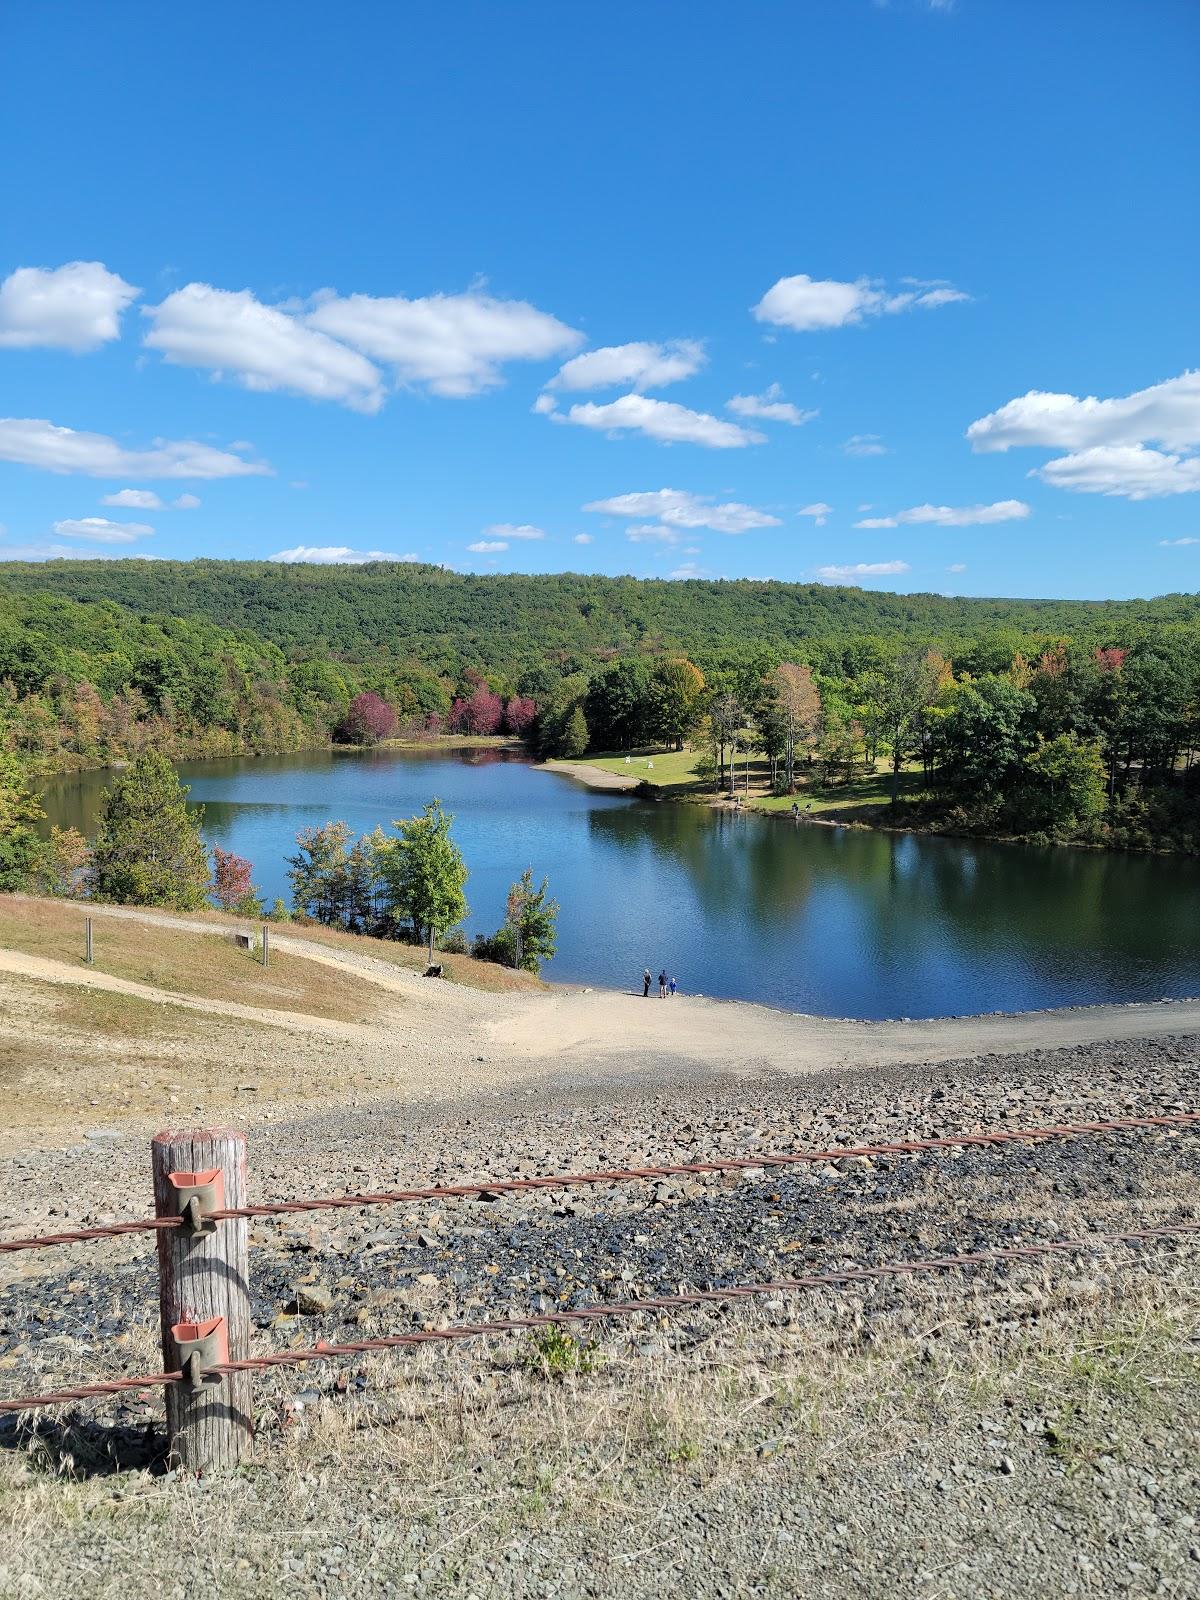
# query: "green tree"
x,y
318,872
532,917
148,849
575,738
21,850
1064,792
423,873
677,690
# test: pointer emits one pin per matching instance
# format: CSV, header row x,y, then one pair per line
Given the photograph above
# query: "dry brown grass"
x,y
196,965
457,1457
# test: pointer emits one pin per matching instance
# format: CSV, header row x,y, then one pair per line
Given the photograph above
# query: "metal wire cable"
x,y
618,1308
564,1180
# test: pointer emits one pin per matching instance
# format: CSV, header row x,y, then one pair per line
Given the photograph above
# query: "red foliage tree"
x,y
1111,659
481,712
518,714
231,884
368,720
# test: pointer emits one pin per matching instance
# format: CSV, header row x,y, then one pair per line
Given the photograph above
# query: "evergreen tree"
x,y
576,738
423,875
531,917
148,849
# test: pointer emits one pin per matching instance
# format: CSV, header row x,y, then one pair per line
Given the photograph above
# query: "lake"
x,y
833,921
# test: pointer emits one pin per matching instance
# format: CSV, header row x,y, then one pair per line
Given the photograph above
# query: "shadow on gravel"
x,y
81,1447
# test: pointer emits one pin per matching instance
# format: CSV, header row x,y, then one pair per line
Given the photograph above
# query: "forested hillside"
x,y
510,623
1039,719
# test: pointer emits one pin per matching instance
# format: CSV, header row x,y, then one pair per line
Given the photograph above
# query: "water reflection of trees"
x,y
909,902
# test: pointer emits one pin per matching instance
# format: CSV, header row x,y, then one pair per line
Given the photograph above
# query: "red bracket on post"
x,y
196,1196
202,1346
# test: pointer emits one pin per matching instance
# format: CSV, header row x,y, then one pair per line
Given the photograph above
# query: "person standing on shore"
x,y
662,984
671,987
646,984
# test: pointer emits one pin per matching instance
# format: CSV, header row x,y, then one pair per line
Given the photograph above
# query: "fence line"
x,y
842,1278
564,1180
204,1269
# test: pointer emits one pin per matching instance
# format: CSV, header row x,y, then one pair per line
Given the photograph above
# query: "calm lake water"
x,y
830,921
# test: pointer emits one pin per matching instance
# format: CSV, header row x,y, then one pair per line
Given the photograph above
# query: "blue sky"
x,y
662,289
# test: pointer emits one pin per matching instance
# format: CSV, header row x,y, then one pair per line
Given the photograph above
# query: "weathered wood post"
x,y
87,938
204,1293
266,944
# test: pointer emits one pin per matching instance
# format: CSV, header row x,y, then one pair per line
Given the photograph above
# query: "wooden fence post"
x,y
87,934
266,944
203,1276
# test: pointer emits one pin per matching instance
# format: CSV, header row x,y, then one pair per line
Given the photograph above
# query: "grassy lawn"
x,y
673,774
859,799
671,769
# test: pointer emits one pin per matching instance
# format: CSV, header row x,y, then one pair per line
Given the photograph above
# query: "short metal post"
x,y
266,944
204,1294
87,935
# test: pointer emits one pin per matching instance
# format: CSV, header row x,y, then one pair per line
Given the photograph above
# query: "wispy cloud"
x,y
662,420
640,365
679,508
514,530
770,406
328,555
818,511
951,516
862,569
101,531
34,442
810,305
864,444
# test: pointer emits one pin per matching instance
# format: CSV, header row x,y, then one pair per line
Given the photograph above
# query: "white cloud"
x,y
133,500
260,347
488,547
34,442
1171,543
327,555
66,552
864,444
957,566
186,502
663,420
863,569
952,516
770,406
689,569
679,508
640,365
581,538
455,344
651,533
544,405
1167,413
818,511
808,305
77,307
1130,470
512,530
1107,440
101,531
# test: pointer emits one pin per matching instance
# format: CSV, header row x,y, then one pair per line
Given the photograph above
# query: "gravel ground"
x,y
999,1432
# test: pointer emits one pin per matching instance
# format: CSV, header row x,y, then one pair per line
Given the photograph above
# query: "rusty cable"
x,y
564,1180
617,1308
